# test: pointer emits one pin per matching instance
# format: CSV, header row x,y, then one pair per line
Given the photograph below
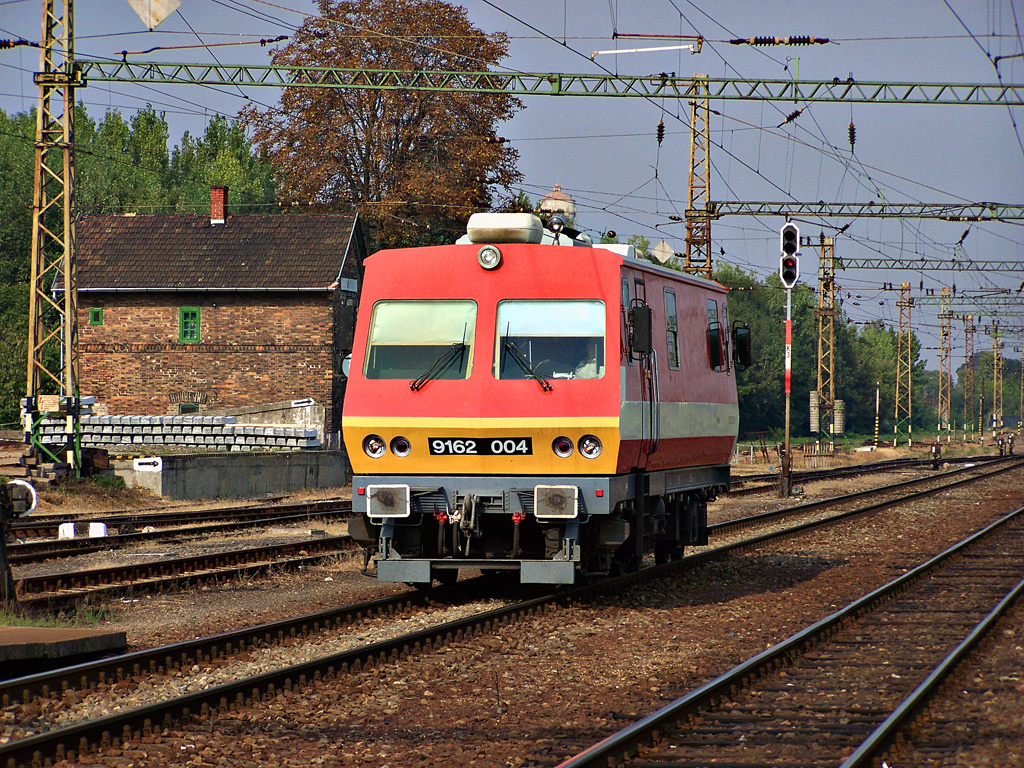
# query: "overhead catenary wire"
x,y
562,41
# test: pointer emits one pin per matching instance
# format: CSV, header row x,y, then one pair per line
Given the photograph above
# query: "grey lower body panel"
x,y
409,571
422,571
413,548
547,572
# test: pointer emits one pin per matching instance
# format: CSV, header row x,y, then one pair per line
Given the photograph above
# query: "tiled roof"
x,y
175,251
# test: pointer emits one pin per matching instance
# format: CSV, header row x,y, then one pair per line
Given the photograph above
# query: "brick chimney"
x,y
218,205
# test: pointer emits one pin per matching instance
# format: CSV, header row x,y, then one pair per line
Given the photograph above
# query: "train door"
x,y
641,373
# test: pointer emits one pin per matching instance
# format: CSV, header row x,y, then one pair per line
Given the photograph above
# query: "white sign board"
x,y
152,12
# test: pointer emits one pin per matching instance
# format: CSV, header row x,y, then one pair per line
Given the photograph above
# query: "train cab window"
x,y
557,339
715,351
408,339
672,328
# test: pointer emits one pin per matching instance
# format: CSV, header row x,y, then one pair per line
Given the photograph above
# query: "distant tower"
x,y
556,201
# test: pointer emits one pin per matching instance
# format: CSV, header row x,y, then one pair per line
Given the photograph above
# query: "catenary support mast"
x,y
903,426
945,358
969,375
698,220
826,313
52,385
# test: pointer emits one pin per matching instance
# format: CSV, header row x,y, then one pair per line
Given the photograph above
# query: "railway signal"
x,y
789,273
789,264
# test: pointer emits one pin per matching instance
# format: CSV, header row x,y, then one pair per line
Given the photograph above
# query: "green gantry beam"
x,y
985,303
554,84
944,211
919,263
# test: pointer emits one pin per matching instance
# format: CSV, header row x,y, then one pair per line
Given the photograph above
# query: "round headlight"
x,y
489,257
374,446
590,446
400,446
562,446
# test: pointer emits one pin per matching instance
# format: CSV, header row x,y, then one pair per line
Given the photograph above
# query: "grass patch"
x,y
82,615
109,481
94,494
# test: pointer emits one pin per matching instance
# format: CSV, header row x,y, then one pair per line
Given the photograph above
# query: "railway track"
x,y
63,589
48,549
128,523
770,481
769,518
190,522
47,526
839,691
203,704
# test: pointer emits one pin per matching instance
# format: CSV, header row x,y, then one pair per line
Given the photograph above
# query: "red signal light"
x,y
789,270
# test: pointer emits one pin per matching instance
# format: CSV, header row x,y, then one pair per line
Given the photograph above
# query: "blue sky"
x,y
603,151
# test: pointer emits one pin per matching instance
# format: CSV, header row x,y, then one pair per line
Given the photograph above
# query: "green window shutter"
x,y
188,325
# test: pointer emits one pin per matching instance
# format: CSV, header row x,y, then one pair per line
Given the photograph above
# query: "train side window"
x,y
714,336
409,338
560,339
671,329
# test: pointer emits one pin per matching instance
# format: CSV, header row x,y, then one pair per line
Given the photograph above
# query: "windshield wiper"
x,y
527,366
439,366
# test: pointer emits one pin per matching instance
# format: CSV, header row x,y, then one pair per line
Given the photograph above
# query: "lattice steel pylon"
x,y
904,360
52,333
969,375
945,358
1020,410
826,313
997,383
698,218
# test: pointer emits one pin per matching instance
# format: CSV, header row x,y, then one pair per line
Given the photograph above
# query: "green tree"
x,y
415,164
222,156
17,157
867,361
520,203
120,166
641,244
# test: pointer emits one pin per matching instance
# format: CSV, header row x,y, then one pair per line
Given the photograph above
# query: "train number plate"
x,y
480,446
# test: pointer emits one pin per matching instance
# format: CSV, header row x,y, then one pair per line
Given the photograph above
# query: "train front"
x,y
482,409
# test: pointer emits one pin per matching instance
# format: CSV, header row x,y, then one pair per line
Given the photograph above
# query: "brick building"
x,y
193,313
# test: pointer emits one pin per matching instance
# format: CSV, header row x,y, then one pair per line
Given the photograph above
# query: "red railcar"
x,y
524,400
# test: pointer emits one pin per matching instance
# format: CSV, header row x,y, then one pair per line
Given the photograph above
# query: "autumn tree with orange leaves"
x,y
415,164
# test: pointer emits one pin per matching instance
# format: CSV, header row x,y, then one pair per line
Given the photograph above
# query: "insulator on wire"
x,y
853,134
496,140
661,131
790,118
794,40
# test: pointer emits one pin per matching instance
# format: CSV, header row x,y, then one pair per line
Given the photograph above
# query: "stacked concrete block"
x,y
206,433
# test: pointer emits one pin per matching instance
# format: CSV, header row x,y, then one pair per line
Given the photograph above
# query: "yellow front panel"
x,y
542,431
